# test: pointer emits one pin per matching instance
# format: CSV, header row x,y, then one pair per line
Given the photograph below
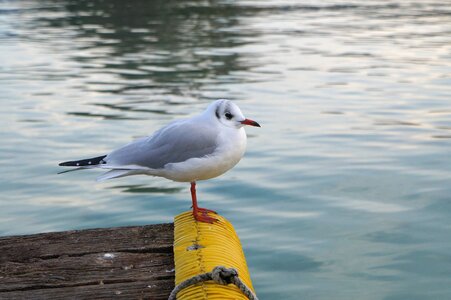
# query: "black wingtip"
x,y
83,162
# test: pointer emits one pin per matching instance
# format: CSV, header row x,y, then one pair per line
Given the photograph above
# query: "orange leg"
x,y
200,214
206,210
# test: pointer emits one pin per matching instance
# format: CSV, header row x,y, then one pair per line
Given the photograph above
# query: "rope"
x,y
220,275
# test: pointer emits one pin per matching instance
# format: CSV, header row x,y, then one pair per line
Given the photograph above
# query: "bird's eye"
x,y
228,115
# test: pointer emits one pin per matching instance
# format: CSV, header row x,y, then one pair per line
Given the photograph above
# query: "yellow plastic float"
x,y
199,248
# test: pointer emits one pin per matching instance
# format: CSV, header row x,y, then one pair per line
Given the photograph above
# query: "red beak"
x,y
250,122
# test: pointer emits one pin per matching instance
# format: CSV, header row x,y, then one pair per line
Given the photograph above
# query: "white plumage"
x,y
187,150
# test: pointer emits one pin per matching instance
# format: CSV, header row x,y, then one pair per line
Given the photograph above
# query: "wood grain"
x,y
111,263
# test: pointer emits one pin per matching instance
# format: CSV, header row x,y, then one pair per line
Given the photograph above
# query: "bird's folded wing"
x,y
115,174
123,167
174,143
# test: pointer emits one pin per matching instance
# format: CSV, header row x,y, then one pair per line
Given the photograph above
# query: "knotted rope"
x,y
220,275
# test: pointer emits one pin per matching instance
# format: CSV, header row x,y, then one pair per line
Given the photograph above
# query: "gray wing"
x,y
174,143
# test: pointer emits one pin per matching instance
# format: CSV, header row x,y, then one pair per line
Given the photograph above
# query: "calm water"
x,y
344,193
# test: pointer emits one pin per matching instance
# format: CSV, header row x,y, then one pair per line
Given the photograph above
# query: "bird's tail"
x,y
84,162
117,173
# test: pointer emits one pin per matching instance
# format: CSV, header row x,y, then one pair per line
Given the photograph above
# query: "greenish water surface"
x,y
344,193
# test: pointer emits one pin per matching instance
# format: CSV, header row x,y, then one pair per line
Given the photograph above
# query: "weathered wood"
x,y
123,263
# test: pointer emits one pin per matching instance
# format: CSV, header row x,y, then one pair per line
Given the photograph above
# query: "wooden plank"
x,y
131,290
123,263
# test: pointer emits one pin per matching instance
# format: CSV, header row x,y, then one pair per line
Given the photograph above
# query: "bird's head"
x,y
229,114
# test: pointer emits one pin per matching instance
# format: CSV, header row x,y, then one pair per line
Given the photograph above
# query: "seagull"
x,y
188,150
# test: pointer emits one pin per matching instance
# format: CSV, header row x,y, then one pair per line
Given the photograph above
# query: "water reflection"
x,y
103,116
131,108
343,193
178,47
139,188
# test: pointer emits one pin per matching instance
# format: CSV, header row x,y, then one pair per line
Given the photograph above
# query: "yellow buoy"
x,y
200,247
